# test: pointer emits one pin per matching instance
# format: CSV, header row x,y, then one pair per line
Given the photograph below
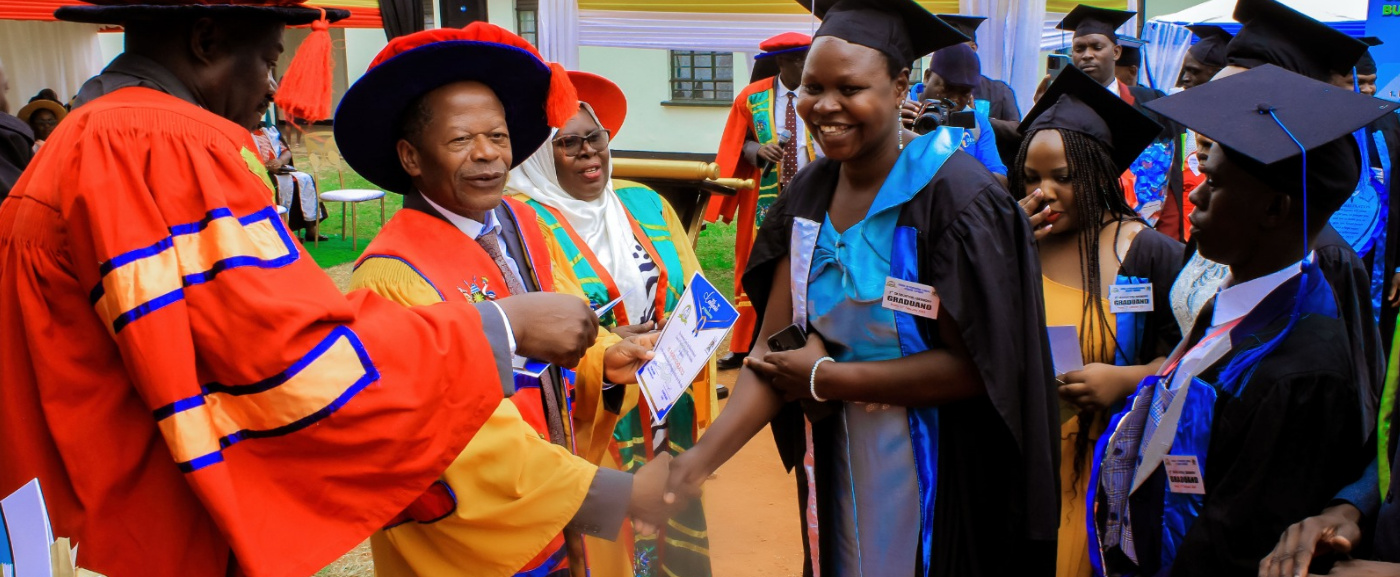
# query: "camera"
x,y
936,113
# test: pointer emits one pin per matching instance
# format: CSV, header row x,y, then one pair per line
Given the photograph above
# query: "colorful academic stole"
x,y
764,113
761,110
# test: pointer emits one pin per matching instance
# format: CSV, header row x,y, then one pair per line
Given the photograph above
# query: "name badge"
x,y
910,297
1184,475
1130,298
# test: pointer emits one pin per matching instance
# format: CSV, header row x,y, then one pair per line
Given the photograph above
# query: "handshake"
x,y
662,488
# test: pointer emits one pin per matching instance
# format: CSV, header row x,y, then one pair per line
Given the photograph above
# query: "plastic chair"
x,y
322,154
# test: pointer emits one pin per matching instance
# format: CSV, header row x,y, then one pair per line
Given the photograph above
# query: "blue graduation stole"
x,y
1118,455
915,169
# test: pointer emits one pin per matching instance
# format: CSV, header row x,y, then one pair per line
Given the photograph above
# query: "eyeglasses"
x,y
572,144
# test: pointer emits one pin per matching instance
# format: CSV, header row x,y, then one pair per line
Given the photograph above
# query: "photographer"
x,y
953,73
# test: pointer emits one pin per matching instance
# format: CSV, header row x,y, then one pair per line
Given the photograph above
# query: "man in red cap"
x,y
764,140
440,117
192,392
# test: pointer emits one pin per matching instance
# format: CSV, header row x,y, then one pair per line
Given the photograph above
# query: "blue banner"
x,y
1383,21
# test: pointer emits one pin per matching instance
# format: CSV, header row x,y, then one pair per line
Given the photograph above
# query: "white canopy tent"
x,y
1168,38
1220,11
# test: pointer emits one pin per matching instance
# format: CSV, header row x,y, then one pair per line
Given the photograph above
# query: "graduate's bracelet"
x,y
812,382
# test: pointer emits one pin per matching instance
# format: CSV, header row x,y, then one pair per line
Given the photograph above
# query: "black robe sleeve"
x,y
1278,454
1389,128
979,254
1157,258
16,149
1351,283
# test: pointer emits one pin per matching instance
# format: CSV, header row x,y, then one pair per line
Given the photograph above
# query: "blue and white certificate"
x,y
689,340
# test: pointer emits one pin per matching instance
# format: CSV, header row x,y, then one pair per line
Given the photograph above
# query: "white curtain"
x,y
1167,44
686,30
559,32
1008,43
38,55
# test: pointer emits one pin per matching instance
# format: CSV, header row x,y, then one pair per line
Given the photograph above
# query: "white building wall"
x,y
361,46
644,76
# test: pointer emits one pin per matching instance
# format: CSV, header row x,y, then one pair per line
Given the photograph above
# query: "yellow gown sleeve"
x,y
394,280
515,490
703,389
593,423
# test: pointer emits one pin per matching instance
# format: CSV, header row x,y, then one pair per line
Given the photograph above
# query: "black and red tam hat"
x,y
289,12
536,94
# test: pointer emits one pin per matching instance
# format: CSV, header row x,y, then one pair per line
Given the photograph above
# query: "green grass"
x,y
715,251
338,249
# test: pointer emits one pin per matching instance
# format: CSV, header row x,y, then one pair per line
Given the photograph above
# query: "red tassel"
x,y
305,92
562,104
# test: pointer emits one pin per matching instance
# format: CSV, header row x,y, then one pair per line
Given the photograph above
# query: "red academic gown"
x,y
738,130
194,394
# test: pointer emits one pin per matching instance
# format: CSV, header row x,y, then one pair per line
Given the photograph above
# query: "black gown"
x,y
997,504
1278,453
1389,127
16,149
1155,257
1351,282
1003,107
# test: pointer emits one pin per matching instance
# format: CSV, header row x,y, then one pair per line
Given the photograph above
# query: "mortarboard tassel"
x,y
305,92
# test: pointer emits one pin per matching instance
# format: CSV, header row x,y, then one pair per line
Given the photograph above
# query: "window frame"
x,y
531,7
683,68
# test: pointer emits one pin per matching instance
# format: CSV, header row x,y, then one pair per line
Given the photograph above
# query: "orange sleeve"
x,y
303,419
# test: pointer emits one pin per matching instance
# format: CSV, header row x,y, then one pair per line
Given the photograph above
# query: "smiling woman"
x,y
621,240
960,377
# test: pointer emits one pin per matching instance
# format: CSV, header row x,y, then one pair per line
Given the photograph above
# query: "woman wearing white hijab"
x,y
621,238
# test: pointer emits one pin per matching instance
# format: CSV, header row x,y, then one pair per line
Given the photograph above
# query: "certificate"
x,y
687,343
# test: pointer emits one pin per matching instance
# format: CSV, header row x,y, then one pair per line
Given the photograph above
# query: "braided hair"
x,y
1097,193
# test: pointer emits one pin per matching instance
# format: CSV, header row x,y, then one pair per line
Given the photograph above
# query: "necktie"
x,y
790,150
490,241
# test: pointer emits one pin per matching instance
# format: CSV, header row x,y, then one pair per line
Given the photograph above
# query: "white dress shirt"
x,y
474,230
1233,301
780,119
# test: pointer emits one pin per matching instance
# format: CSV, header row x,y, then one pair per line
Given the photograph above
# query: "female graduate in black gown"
x,y
1107,273
925,444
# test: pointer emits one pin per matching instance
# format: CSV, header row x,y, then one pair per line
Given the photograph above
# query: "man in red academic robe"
x,y
764,140
193,393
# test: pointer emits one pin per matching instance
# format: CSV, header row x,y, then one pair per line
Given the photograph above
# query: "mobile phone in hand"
x,y
788,339
1055,64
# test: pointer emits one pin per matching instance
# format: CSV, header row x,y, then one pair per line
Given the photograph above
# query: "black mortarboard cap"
x,y
1210,50
1279,35
968,25
1085,20
1077,103
1235,112
1132,51
1367,64
901,29
957,64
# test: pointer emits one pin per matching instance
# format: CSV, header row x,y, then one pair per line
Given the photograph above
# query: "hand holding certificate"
x,y
691,336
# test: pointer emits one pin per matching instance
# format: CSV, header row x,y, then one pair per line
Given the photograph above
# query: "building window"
x,y
702,76
527,20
